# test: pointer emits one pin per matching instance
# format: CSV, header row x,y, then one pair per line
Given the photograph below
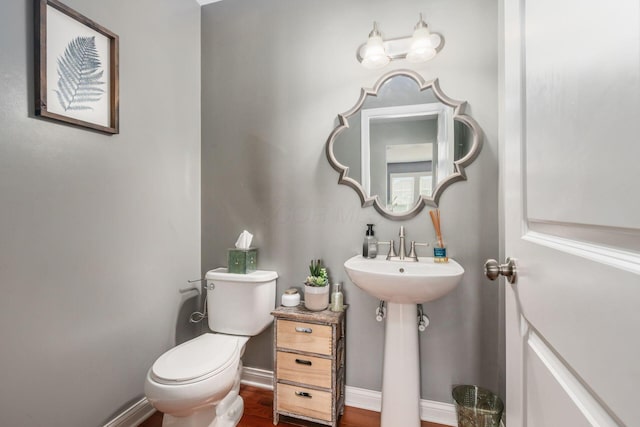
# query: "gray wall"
x,y
97,233
275,76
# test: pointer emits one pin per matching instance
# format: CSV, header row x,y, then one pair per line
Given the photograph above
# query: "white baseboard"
x,y
260,378
432,411
362,398
438,412
435,412
134,415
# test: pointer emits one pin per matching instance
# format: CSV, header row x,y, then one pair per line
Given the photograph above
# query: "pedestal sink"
x,y
402,284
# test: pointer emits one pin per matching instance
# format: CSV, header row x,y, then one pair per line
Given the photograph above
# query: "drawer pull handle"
x,y
303,362
303,394
305,330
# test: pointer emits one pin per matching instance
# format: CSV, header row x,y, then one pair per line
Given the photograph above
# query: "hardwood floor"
x,y
258,412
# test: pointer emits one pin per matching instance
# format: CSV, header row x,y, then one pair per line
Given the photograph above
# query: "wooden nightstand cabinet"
x,y
309,364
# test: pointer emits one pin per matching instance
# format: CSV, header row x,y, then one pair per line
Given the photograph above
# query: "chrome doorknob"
x,y
492,269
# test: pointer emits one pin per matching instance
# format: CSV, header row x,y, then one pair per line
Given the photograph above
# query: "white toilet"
x,y
196,384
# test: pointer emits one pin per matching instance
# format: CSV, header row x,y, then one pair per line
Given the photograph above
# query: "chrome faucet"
x,y
402,255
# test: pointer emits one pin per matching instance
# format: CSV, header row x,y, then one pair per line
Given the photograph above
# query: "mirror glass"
x,y
402,144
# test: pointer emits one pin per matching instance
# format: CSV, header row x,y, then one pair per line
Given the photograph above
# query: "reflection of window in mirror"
x,y
405,188
402,192
409,174
426,185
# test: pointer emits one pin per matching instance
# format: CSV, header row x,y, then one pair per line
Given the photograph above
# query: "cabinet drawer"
x,y
302,336
304,369
304,401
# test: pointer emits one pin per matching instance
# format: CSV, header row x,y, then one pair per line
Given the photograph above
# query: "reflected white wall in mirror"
x,y
402,144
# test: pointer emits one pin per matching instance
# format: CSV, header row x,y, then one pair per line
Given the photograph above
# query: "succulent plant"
x,y
317,274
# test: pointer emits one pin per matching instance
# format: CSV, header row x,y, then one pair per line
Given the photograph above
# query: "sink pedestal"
x,y
401,367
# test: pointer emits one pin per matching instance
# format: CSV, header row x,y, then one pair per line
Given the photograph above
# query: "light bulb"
x,y
375,55
422,48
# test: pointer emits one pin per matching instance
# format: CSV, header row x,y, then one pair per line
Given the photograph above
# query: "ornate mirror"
x,y
402,144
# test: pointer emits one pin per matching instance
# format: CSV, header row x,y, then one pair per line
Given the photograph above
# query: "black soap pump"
x,y
370,244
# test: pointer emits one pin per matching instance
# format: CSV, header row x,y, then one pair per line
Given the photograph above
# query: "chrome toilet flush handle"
x,y
205,285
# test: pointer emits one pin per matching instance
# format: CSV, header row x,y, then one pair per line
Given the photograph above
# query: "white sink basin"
x,y
404,282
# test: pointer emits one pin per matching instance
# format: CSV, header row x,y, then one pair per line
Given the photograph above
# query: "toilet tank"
x,y
240,304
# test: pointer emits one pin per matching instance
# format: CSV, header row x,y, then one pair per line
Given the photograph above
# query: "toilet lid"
x,y
203,356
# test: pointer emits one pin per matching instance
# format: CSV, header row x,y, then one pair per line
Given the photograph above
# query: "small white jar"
x,y
291,298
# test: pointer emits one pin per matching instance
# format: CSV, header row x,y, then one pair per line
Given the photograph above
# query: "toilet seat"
x,y
198,359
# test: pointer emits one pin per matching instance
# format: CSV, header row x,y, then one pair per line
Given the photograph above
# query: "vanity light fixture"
x,y
421,47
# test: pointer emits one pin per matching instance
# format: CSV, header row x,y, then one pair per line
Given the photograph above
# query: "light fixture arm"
x,y
420,24
375,32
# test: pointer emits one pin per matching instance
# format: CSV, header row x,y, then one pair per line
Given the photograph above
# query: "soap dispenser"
x,y
370,244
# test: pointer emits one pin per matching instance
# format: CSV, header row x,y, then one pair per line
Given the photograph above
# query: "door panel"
x,y
580,104
570,112
555,396
547,401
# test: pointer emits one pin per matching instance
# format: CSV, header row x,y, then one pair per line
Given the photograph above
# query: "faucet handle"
x,y
392,248
412,251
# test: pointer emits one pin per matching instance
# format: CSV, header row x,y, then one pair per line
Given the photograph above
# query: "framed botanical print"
x,y
76,72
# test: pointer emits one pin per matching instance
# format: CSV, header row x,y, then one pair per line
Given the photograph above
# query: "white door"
x,y
570,177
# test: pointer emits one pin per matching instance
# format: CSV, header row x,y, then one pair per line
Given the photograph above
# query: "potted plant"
x,y
316,287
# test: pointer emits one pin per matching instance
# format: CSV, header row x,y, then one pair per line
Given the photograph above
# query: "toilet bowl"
x,y
197,383
195,376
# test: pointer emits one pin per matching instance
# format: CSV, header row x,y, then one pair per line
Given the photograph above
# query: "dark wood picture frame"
x,y
41,103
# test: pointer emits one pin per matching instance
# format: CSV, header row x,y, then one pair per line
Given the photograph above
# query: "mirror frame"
x,y
458,165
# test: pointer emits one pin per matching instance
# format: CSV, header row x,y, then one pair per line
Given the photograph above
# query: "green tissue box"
x,y
243,261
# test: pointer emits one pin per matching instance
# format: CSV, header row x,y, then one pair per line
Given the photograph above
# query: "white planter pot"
x,y
316,298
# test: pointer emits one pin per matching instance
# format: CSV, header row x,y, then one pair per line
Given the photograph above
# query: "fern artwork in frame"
x,y
76,72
